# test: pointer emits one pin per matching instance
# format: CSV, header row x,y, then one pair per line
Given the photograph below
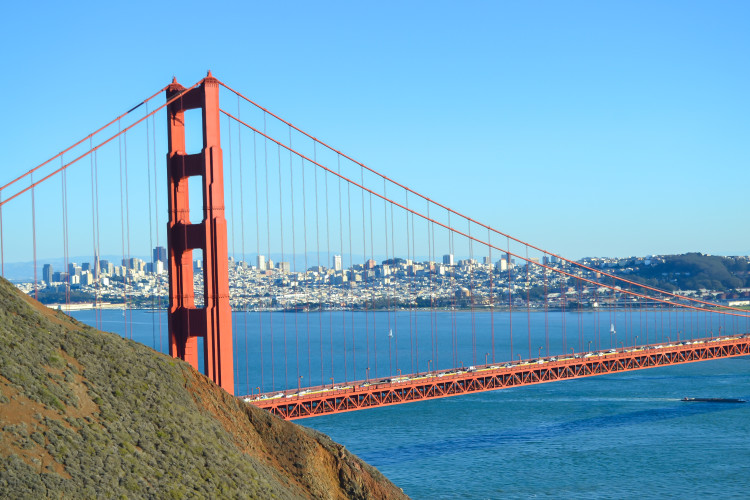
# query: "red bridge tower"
x,y
213,322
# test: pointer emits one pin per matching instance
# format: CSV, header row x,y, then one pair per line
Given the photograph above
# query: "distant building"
x,y
87,278
47,273
337,263
261,261
59,277
284,267
448,259
160,254
106,267
155,267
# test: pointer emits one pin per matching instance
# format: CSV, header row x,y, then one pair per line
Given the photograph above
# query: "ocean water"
x,y
615,436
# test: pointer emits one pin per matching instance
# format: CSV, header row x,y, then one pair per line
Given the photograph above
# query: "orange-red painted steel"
x,y
439,384
214,320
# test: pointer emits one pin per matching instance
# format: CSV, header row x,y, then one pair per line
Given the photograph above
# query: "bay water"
x,y
613,436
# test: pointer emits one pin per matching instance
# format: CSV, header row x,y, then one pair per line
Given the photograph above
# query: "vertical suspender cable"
x,y
281,235
492,297
432,264
579,291
351,279
33,234
318,296
257,250
244,256
268,241
64,186
98,218
150,226
388,304
372,294
598,318
510,300
122,232
304,285
329,287
233,266
414,290
546,312
408,295
471,297
156,224
95,239
562,305
528,299
127,224
293,266
365,266
343,273
395,317
454,329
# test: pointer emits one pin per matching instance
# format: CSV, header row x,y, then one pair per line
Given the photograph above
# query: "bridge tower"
x,y
213,322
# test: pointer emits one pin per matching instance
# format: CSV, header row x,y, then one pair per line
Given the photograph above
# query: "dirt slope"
x,y
88,414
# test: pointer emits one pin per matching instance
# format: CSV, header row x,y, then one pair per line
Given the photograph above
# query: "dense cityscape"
x,y
393,283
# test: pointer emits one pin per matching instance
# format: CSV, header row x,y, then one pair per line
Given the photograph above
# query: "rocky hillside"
x,y
88,414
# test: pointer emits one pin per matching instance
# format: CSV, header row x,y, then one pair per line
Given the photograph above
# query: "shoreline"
x,y
89,306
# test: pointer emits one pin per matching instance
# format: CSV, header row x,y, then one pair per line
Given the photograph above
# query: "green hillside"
x,y
693,271
88,414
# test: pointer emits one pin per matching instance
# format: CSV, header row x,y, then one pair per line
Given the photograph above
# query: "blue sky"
x,y
588,128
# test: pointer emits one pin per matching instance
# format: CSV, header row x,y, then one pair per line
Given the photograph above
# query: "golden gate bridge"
x,y
329,220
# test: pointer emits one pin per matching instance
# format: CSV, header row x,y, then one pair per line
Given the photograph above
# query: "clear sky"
x,y
588,128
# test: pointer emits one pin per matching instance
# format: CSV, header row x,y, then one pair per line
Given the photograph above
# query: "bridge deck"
x,y
316,401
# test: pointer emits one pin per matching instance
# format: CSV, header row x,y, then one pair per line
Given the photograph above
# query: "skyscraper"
x,y
261,262
337,264
448,259
160,254
47,273
96,265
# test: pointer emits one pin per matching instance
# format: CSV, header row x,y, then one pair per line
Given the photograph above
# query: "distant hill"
x,y
693,271
88,414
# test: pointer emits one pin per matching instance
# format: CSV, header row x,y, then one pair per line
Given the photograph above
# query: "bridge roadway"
x,y
326,400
